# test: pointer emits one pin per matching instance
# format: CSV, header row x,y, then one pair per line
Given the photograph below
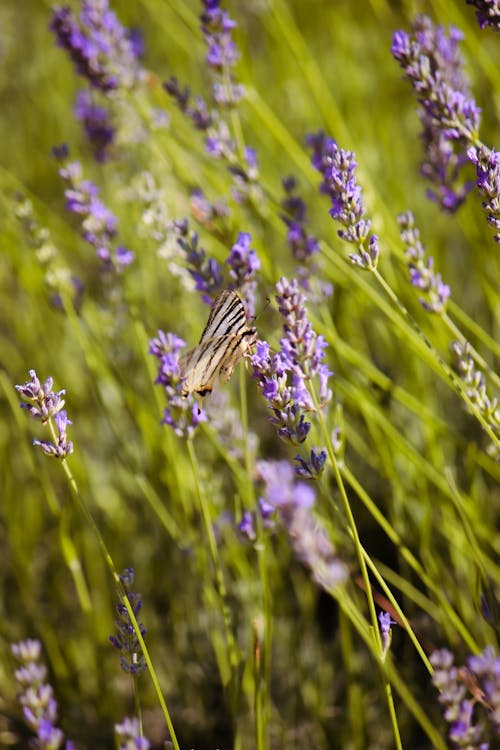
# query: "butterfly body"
x,y
225,339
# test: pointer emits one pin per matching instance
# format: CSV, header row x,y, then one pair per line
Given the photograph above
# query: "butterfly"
x,y
225,339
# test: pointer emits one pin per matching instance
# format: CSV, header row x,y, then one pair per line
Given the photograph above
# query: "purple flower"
x,y
62,447
128,736
201,118
421,270
44,402
37,697
284,377
302,245
125,638
180,414
244,264
97,124
205,272
243,260
477,391
469,696
487,12
99,46
294,502
337,167
385,622
217,26
487,162
45,405
97,222
450,118
313,467
246,526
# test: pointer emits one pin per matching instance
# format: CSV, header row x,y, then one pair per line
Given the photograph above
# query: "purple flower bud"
x,y
487,12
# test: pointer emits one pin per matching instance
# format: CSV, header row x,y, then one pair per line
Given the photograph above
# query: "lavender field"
x,y
249,348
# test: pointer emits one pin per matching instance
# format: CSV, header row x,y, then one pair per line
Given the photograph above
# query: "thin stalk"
x,y
123,595
452,377
363,567
219,576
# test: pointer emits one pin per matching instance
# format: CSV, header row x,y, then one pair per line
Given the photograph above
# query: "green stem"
x,y
451,376
375,632
123,595
219,577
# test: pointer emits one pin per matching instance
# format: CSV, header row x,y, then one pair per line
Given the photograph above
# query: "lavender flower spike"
x,y
37,696
421,270
450,118
98,223
101,49
487,163
284,377
45,405
222,55
294,502
181,414
125,639
244,264
339,181
128,736
470,697
44,402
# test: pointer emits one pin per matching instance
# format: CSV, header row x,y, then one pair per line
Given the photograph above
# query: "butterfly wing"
x,y
227,315
244,341
225,339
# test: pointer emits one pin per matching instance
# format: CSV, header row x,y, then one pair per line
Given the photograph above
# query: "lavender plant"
x,y
36,697
386,500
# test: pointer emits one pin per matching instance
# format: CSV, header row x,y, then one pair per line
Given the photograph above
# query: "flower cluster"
x,y
302,244
181,414
450,118
44,405
293,502
477,392
101,49
337,167
422,275
244,264
311,467
487,12
98,223
37,697
487,163
205,271
125,639
198,113
470,697
97,124
284,377
128,736
216,26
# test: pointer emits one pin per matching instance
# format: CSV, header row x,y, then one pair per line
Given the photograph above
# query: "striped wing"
x,y
225,339
227,316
